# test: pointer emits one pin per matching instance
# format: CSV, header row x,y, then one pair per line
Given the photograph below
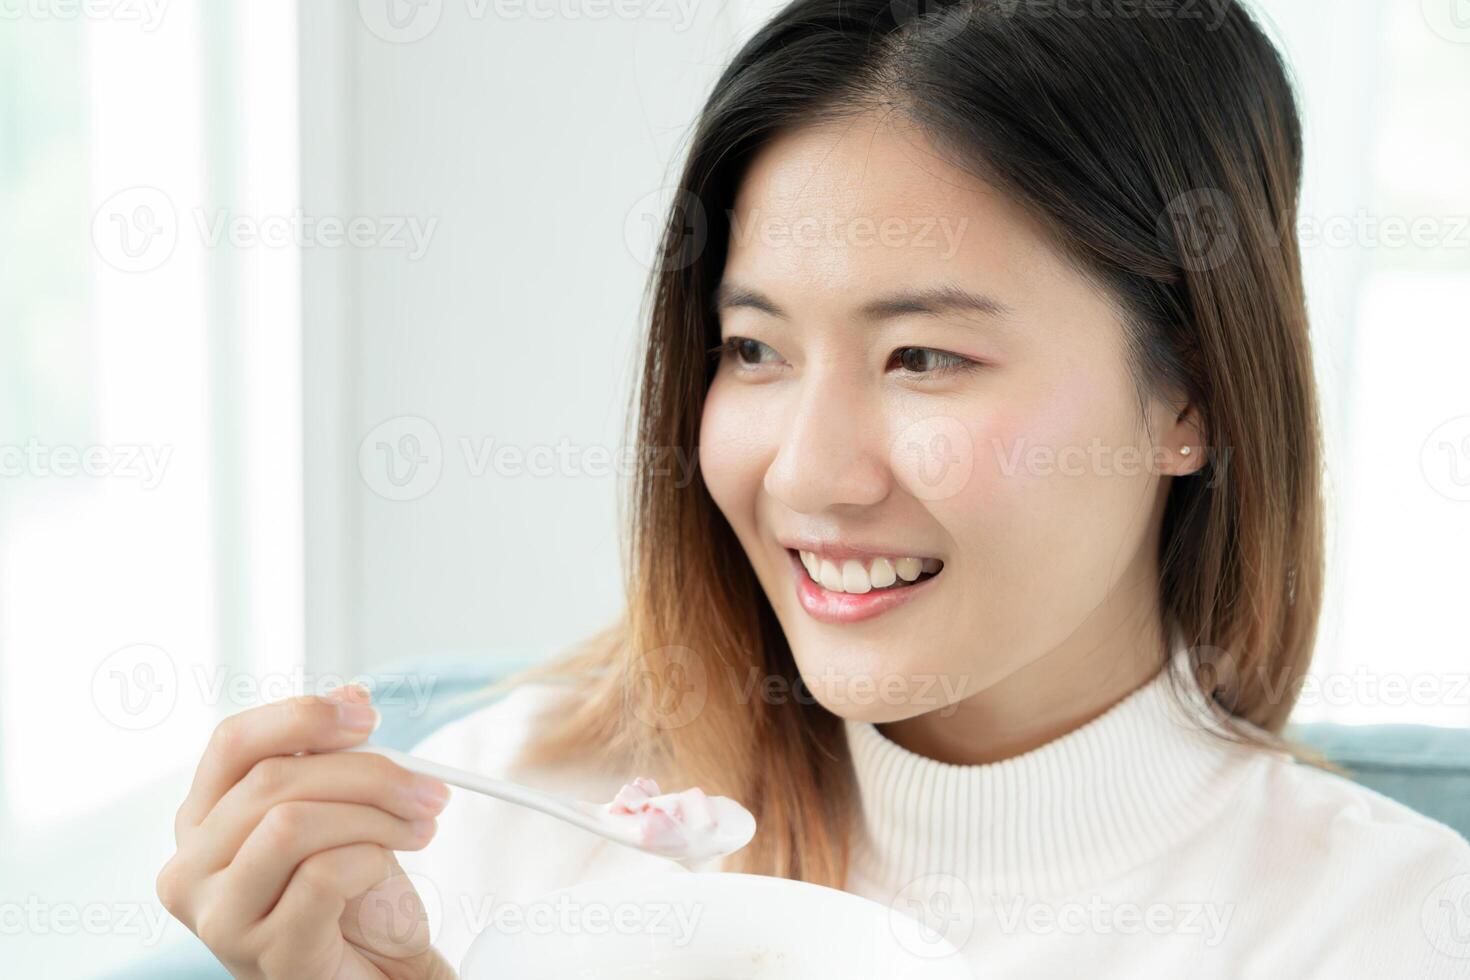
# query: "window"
x,y
150,432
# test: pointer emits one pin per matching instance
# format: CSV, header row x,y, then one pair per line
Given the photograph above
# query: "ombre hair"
x,y
1162,153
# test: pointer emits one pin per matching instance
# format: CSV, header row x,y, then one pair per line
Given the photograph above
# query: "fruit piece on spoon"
x,y
688,826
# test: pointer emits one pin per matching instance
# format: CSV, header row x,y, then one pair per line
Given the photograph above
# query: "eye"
x,y
745,352
926,360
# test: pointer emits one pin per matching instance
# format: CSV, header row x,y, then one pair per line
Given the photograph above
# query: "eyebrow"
x,y
928,301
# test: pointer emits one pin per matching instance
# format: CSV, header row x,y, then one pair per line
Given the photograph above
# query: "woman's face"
x,y
917,379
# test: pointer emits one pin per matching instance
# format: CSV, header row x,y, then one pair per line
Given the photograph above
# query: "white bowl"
x,y
716,926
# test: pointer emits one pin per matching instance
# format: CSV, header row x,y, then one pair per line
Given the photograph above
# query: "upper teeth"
x,y
858,577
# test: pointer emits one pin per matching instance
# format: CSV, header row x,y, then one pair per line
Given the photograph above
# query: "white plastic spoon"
x,y
732,828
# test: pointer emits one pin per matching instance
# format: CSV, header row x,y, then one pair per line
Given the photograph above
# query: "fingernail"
x,y
357,717
433,794
422,829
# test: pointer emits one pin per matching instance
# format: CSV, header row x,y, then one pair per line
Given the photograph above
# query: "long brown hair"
x,y
1162,150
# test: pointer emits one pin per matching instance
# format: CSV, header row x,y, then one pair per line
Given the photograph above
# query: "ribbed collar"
x,y
1106,797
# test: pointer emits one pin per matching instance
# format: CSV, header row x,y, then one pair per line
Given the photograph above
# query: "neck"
x,y
1043,700
1101,797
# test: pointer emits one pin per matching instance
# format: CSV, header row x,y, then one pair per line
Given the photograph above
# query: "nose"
x,y
833,453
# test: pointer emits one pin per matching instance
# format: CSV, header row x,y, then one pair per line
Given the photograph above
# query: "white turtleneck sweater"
x,y
1135,846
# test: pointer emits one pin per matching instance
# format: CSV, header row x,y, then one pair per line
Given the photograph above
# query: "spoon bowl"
x,y
734,826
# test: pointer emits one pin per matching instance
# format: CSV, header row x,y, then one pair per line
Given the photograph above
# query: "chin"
x,y
870,687
874,714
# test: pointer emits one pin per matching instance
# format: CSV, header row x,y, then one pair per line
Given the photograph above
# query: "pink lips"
x,y
848,607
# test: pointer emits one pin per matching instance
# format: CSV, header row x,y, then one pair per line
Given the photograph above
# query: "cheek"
x,y
1051,497
1028,466
734,452
956,466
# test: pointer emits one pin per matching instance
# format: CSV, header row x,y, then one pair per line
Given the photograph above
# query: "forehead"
x,y
867,202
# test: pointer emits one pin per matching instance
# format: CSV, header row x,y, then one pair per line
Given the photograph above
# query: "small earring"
x,y
1185,451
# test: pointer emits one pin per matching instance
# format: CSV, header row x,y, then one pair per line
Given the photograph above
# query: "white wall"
x,y
525,150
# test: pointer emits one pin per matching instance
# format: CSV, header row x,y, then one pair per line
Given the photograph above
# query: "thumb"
x,y
391,918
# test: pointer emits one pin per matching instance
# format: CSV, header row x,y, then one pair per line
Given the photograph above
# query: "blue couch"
x,y
1425,768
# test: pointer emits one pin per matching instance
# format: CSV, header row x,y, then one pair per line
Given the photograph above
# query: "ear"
x,y
1182,444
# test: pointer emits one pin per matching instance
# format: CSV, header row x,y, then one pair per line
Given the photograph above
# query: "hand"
x,y
284,864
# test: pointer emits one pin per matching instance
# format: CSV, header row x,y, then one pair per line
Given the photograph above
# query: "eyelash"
x,y
955,364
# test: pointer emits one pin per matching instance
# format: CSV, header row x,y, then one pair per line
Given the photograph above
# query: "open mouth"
x,y
854,576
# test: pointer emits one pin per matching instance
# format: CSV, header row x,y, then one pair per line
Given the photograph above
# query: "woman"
x,y
1004,559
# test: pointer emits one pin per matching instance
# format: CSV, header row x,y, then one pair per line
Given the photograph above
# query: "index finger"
x,y
304,724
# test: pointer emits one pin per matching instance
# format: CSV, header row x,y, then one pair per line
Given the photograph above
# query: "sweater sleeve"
x,y
1444,909
1354,884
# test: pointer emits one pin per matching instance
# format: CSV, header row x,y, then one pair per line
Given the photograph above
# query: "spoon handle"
x,y
499,788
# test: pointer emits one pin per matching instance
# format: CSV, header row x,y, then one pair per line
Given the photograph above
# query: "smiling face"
x,y
915,380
